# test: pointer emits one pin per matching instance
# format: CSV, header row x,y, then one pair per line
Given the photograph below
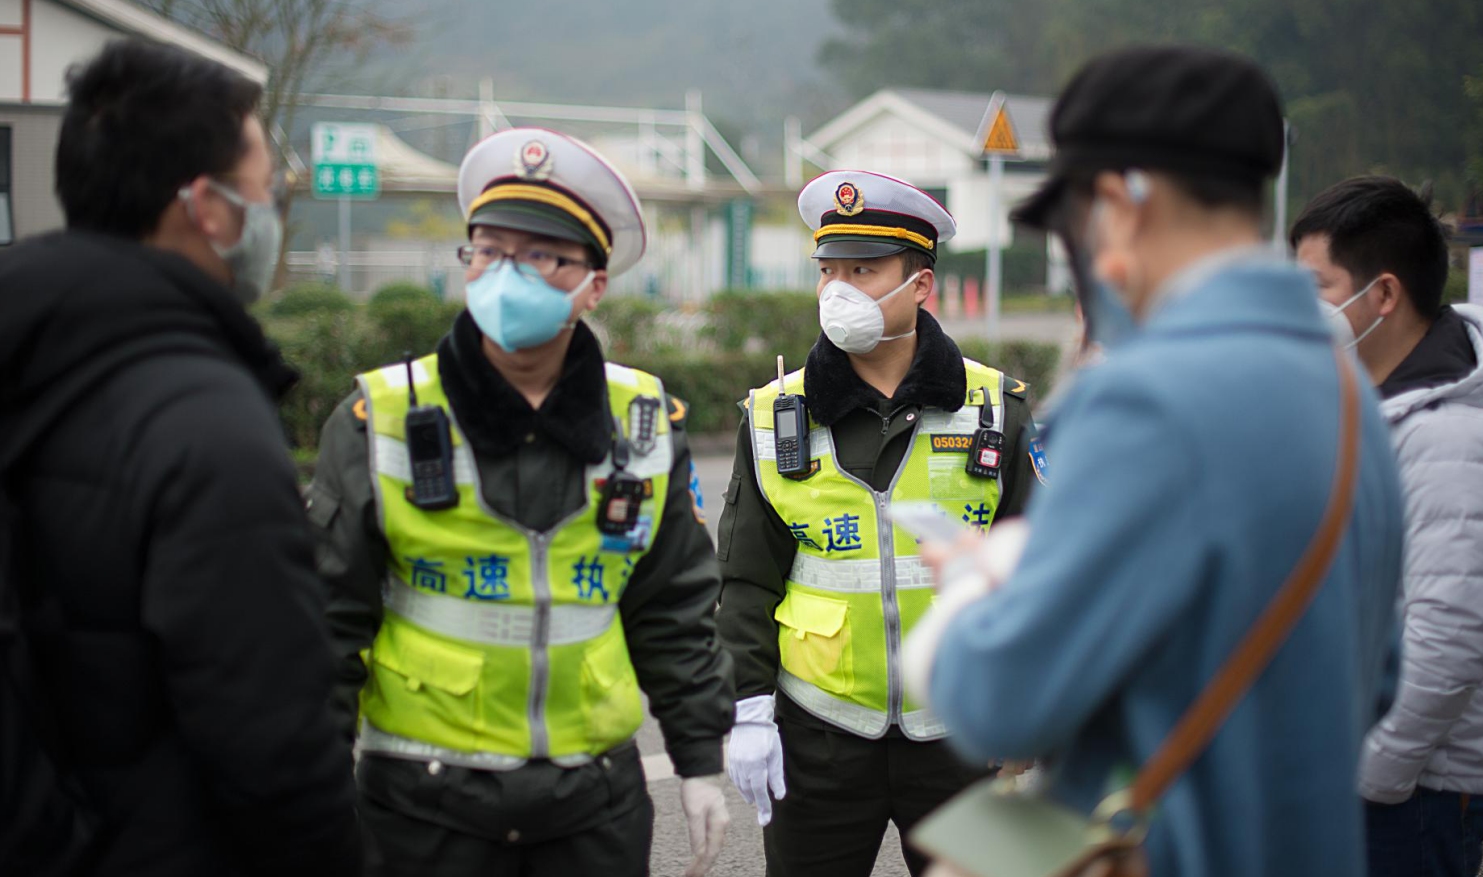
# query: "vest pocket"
x,y
432,680
610,691
814,640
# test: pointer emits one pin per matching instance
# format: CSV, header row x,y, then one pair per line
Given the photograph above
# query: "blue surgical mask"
x,y
517,310
1111,319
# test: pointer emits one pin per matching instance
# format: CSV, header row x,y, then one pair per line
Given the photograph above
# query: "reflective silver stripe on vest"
x,y
919,725
393,461
856,575
963,421
851,716
766,447
923,725
496,624
373,739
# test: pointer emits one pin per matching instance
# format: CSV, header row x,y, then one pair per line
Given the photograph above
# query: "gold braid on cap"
x,y
549,197
879,231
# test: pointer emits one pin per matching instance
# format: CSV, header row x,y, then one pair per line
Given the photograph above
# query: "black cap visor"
x,y
526,218
847,249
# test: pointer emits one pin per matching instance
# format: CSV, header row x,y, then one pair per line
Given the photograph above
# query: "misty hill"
x,y
755,61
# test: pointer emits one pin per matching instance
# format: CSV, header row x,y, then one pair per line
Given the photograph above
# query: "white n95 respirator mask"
x,y
853,320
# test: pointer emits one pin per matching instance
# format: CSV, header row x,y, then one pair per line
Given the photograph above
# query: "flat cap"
x,y
1197,112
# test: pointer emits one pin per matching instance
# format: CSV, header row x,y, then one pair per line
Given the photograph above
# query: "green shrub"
x,y
1456,290
630,323
403,293
1022,265
330,346
311,298
770,322
710,385
404,318
323,347
1034,362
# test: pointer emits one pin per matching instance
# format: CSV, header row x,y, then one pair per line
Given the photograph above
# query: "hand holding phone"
x,y
926,521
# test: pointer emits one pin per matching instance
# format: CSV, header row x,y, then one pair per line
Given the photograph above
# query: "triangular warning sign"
x,y
1001,134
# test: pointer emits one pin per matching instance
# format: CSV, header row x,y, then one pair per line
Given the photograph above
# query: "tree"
x,y
1368,86
301,41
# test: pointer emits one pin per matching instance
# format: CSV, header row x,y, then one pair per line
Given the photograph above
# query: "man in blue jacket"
x,y
1191,470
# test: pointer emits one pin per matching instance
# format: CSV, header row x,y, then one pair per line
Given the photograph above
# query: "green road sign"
x,y
346,181
344,156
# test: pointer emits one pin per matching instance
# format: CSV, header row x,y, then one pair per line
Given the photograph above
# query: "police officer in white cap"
x,y
819,587
516,554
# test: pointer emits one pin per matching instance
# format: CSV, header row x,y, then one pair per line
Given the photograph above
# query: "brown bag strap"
x,y
1204,718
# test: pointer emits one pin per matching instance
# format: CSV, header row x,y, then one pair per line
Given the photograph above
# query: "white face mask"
x,y
853,320
1339,324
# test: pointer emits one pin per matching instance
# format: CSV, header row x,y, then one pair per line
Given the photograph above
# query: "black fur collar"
x,y
496,418
936,378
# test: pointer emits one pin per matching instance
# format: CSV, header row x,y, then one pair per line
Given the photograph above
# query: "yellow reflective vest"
x,y
858,585
502,644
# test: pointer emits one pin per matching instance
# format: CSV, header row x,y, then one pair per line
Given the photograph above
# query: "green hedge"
x,y
310,298
331,343
776,322
713,385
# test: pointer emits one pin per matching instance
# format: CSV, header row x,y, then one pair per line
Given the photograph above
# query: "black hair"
x,y
914,261
1211,193
1375,225
143,120
1217,193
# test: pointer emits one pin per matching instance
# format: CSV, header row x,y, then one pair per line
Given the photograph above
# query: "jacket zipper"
x,y
540,656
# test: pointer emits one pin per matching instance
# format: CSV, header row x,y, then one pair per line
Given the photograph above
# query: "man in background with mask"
x,y
1193,467
515,553
160,543
1380,259
819,588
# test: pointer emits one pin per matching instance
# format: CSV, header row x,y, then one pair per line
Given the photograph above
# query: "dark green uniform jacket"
x,y
871,434
532,465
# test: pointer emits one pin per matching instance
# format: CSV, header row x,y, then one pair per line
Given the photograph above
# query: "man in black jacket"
x,y
190,670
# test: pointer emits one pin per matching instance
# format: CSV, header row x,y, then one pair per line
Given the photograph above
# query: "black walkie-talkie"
x,y
790,430
430,451
623,495
986,454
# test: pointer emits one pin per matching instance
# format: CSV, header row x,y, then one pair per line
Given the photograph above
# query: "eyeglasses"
x,y
278,190
531,263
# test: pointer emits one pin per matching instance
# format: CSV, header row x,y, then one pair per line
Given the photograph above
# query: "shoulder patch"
x,y
1038,460
1016,387
678,410
697,499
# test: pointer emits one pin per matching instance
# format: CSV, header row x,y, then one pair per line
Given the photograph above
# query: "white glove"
x,y
754,757
705,814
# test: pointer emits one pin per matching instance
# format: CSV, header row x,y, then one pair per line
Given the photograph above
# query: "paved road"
x,y
743,852
1058,328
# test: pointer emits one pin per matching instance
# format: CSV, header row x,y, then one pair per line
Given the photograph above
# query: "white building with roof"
x,y
934,140
39,41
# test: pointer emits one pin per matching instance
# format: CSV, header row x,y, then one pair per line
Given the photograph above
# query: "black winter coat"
x,y
191,678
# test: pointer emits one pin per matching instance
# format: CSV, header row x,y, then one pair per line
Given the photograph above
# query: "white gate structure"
x,y
663,152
